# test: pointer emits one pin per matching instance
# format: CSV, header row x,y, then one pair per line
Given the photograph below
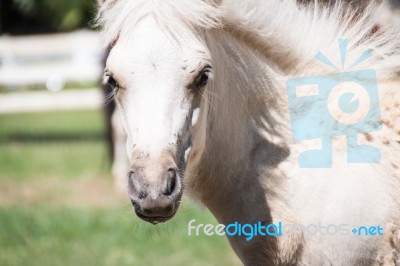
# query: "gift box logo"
x,y
340,104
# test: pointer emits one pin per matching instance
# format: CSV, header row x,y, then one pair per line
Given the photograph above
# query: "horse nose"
x,y
155,201
138,185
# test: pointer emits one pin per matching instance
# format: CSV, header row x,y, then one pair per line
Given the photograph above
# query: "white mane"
x,y
291,35
284,32
116,16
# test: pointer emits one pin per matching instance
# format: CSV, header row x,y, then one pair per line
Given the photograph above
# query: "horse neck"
x,y
244,139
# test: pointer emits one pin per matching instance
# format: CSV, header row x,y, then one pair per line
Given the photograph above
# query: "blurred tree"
x,y
41,16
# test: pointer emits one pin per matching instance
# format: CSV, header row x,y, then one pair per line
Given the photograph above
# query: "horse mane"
x,y
116,16
287,34
290,35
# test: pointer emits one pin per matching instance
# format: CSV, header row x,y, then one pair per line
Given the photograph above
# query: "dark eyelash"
x,y
110,81
109,97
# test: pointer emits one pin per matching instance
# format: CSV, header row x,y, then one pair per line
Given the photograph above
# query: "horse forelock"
x,y
116,16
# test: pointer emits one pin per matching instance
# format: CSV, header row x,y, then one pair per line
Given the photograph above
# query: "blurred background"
x,y
58,205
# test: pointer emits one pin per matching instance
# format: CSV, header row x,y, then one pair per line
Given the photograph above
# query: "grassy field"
x,y
58,207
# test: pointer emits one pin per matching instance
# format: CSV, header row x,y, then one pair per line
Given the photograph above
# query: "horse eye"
x,y
112,82
203,78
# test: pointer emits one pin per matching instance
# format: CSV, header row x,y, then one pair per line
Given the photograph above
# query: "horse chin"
x,y
154,220
157,219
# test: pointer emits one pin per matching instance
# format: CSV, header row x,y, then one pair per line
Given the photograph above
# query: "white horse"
x,y
201,86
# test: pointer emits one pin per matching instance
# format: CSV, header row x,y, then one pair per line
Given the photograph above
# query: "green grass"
x,y
50,126
57,206
62,144
19,162
53,236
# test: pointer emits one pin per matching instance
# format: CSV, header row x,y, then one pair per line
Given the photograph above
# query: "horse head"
x,y
159,67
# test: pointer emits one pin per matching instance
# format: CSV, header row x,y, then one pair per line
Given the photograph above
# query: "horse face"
x,y
159,84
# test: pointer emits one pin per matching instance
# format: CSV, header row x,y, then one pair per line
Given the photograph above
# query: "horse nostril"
x,y
171,182
131,175
134,187
142,195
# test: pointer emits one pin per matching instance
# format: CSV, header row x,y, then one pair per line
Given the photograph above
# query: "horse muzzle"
x,y
155,193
